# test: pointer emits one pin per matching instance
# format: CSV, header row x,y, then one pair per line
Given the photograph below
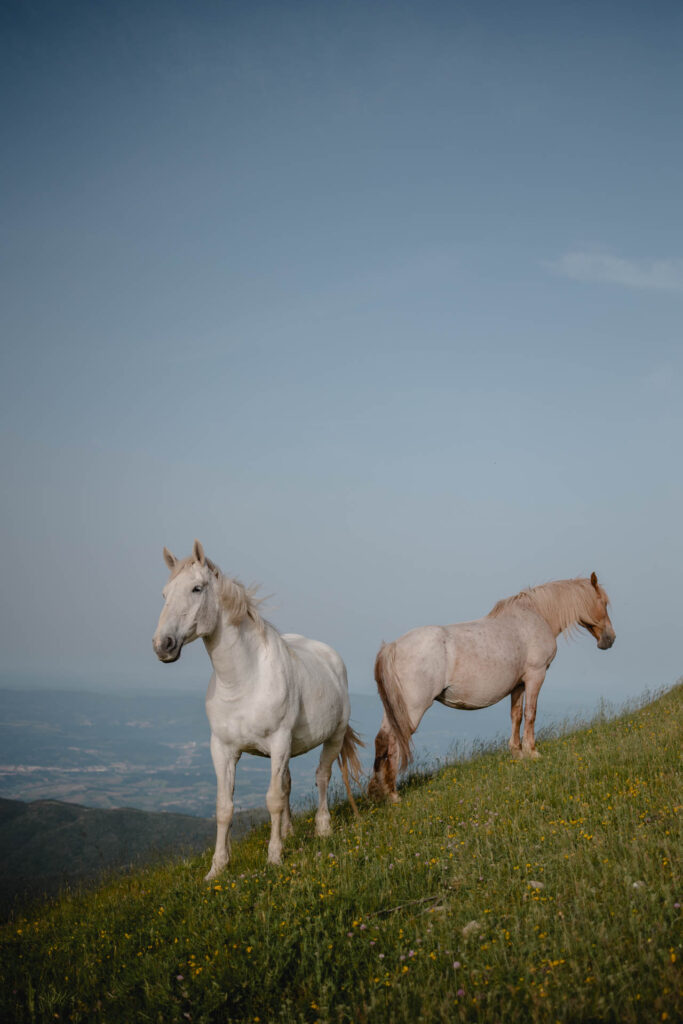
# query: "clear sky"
x,y
382,301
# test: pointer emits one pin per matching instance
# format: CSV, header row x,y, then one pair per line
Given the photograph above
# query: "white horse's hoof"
x,y
323,829
214,872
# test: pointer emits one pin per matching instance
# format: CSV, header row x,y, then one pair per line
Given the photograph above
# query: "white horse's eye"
x,y
197,590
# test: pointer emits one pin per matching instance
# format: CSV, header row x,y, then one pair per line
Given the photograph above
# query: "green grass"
x,y
567,866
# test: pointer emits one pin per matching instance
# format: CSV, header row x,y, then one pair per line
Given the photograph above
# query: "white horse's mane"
x,y
239,601
562,603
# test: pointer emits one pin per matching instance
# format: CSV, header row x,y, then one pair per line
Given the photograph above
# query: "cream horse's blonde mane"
x,y
564,604
240,602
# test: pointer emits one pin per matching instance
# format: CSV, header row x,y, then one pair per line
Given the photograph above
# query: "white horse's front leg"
x,y
225,762
277,798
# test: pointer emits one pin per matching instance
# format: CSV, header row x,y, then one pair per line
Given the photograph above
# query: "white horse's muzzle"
x,y
167,648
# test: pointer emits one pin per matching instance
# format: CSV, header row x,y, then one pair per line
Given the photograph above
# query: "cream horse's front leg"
x,y
225,762
532,685
516,711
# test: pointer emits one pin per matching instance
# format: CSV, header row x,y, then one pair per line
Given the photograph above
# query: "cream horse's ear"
x,y
594,579
198,553
171,560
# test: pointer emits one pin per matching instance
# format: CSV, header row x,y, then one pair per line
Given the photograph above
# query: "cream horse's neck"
x,y
561,604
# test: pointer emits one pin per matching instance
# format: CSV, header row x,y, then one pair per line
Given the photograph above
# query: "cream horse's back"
x,y
471,665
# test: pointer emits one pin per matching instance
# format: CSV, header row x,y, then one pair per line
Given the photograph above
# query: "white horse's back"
x,y
320,679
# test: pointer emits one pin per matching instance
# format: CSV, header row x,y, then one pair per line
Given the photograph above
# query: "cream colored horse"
x,y
270,694
475,664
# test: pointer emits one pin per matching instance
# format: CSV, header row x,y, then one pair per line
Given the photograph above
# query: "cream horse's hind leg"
x,y
516,709
383,782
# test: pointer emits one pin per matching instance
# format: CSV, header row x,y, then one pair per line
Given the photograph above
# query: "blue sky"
x,y
380,301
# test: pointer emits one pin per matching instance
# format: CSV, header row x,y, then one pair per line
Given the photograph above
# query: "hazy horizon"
x,y
380,302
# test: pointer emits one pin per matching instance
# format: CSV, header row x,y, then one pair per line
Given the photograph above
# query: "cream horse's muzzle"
x,y
606,640
167,648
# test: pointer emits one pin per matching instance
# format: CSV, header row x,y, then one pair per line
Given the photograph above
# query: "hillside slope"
x,y
495,891
46,845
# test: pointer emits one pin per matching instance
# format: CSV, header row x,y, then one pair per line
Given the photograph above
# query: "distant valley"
x,y
151,752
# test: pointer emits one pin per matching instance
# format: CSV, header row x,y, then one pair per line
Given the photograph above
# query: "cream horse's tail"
x,y
390,691
348,758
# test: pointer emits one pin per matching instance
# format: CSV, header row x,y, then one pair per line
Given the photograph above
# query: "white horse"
x,y
472,665
270,694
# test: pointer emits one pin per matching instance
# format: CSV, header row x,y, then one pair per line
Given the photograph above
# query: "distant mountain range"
x,y
47,845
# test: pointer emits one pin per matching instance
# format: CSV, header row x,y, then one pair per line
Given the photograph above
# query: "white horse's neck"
x,y
235,652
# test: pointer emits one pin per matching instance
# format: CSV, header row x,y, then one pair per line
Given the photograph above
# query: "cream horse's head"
x,y
597,621
192,603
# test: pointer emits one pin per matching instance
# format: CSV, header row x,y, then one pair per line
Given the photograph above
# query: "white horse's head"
x,y
192,603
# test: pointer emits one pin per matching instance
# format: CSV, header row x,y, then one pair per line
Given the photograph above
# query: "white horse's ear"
x,y
594,580
213,567
171,560
198,553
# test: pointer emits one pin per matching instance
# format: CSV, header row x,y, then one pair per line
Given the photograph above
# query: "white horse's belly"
x,y
324,697
309,706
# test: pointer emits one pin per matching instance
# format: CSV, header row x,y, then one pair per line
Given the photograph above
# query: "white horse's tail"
x,y
391,693
348,758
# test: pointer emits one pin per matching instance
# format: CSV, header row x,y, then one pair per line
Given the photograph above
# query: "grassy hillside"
x,y
496,891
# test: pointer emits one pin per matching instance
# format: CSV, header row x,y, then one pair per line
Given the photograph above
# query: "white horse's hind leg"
x,y
277,799
330,751
516,710
286,827
225,762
